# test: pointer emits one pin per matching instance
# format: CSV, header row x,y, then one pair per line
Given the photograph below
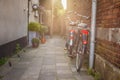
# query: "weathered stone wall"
x,y
108,39
107,70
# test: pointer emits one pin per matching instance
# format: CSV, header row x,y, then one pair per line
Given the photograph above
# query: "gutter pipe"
x,y
92,37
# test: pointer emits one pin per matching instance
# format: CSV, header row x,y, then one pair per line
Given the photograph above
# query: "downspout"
x,y
92,37
39,11
52,11
28,22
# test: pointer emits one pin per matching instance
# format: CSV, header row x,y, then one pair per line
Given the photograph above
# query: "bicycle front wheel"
x,y
79,61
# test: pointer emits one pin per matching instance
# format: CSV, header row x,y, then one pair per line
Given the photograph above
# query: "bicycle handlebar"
x,y
78,23
87,17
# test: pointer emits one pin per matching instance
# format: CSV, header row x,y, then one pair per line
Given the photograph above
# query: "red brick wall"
x,y
108,13
108,16
109,51
107,34
83,7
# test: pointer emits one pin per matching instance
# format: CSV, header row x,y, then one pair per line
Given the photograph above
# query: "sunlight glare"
x,y
64,3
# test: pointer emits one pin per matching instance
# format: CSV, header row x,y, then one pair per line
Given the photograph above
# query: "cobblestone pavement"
x,y
48,62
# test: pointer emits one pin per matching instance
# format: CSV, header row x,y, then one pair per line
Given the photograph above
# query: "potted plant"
x,y
33,28
43,30
35,42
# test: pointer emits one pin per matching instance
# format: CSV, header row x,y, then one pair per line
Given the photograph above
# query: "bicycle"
x,y
71,40
81,47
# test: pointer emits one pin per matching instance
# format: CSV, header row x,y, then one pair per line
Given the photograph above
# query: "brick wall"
x,y
83,7
108,17
108,39
107,35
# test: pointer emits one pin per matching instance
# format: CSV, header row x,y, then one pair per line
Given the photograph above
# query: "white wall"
x,y
32,18
13,20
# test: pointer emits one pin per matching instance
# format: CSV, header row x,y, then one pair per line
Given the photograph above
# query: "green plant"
x,y
43,29
1,77
35,40
17,48
90,72
3,61
34,26
96,75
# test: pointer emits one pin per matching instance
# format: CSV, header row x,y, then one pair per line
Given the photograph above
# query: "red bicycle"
x,y
81,48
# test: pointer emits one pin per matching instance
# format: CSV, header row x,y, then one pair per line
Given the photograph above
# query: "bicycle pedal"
x,y
74,55
70,55
65,48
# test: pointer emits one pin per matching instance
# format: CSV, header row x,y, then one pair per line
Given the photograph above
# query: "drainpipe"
x,y
28,22
92,38
52,16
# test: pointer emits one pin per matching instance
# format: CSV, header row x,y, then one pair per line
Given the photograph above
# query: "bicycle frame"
x,y
77,45
84,42
81,48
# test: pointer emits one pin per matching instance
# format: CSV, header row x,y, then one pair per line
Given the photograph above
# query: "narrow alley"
x,y
88,41
48,62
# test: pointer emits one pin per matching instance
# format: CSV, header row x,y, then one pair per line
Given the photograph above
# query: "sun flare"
x,y
64,3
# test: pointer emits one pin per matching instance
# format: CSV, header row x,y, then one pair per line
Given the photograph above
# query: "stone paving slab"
x,y
47,62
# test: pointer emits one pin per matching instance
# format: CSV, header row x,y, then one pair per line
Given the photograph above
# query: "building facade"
x,y
107,55
34,11
13,25
107,60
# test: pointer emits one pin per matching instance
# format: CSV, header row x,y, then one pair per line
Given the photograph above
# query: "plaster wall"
x,y
13,20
